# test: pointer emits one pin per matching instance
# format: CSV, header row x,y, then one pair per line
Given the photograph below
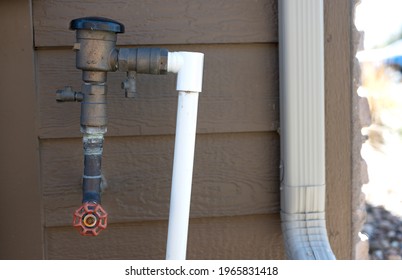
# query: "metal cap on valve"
x,y
97,23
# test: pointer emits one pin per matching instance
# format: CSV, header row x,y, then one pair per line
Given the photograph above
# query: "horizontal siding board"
x,y
240,94
161,21
235,174
242,237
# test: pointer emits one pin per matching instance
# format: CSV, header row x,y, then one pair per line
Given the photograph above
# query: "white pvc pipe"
x,y
189,67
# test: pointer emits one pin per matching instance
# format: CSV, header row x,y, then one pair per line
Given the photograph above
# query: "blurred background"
x,y
380,56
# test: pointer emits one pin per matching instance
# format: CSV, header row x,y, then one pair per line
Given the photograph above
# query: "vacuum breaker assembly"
x,y
96,54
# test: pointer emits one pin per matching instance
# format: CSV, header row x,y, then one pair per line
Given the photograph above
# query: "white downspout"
x,y
189,66
301,56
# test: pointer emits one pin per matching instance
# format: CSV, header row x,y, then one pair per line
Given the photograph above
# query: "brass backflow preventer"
x,y
96,54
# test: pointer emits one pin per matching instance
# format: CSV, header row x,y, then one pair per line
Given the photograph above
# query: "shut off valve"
x,y
96,54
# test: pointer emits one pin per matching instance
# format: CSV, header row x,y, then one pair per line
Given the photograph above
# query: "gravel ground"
x,y
385,234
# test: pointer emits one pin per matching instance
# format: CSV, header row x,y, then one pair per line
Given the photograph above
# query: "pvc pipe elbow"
x,y
189,67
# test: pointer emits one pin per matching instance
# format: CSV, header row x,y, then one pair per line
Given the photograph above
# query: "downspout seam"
x,y
302,113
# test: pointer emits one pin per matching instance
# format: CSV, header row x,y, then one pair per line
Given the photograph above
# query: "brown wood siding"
x,y
236,186
247,105
21,230
238,237
235,174
237,149
162,22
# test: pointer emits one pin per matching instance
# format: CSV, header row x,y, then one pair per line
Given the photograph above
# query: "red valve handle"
x,y
90,219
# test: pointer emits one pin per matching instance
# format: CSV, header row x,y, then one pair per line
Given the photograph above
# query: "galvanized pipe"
x,y
92,178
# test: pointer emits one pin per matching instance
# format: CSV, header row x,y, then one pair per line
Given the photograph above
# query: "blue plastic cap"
x,y
97,23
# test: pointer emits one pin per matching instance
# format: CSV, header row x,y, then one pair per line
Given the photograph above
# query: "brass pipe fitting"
x,y
93,105
143,60
90,220
68,95
96,43
96,54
